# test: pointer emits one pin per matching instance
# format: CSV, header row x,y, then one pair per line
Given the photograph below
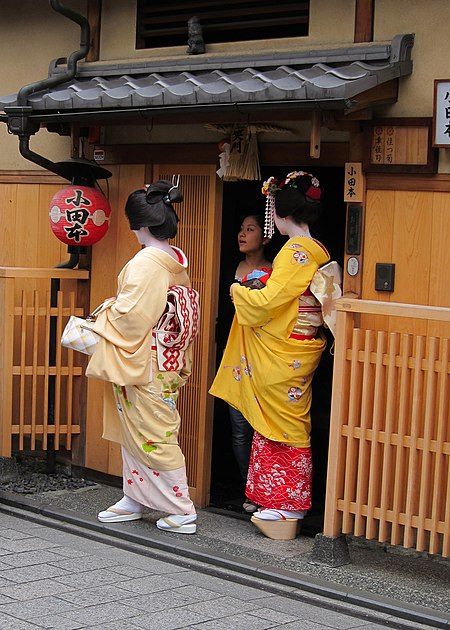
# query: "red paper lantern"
x,y
79,215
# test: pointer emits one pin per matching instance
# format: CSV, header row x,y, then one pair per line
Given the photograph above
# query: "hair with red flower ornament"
x,y
297,196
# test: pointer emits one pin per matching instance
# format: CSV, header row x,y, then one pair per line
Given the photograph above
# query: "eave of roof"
x,y
324,78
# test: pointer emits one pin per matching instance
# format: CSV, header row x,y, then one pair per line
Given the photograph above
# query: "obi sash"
x,y
177,328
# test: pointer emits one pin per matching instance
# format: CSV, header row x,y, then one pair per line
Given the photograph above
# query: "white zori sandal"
x,y
178,524
124,510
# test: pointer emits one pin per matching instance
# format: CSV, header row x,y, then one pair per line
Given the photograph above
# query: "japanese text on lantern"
x,y
353,182
77,217
441,115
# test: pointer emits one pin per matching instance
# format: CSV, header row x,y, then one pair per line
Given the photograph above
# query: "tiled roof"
x,y
327,78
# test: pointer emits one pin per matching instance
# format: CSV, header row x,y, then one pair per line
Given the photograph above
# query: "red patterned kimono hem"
x,y
279,475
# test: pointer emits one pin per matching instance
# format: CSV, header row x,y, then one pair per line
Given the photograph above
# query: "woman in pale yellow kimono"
x,y
140,398
273,349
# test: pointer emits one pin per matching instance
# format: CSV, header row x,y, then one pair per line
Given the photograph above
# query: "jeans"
x,y
241,440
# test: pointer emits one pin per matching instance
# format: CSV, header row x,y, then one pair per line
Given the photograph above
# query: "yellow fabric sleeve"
x,y
140,303
123,355
289,279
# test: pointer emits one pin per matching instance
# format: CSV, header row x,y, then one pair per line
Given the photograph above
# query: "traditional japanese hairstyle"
x,y
297,196
151,207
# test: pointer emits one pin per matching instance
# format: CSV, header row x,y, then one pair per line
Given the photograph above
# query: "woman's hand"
x,y
235,284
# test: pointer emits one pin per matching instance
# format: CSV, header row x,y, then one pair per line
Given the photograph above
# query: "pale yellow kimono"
x,y
140,409
265,373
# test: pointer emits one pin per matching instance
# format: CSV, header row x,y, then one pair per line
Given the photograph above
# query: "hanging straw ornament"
x,y
236,156
224,157
250,159
241,161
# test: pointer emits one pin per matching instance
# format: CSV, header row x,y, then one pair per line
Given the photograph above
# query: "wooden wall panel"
x,y
411,230
378,243
26,224
27,239
411,253
54,249
439,286
8,204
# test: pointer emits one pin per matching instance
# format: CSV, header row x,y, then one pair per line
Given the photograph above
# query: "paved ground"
x,y
54,578
391,582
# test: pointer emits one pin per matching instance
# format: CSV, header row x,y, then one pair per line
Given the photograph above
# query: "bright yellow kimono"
x,y
265,373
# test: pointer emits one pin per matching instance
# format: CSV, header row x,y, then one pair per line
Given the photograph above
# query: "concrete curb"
x,y
340,598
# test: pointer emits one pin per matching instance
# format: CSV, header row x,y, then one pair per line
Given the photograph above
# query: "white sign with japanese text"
x,y
441,115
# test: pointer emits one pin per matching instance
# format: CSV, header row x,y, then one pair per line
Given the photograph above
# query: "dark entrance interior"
x,y
239,200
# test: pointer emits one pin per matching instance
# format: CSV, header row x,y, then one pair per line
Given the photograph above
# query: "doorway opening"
x,y
239,200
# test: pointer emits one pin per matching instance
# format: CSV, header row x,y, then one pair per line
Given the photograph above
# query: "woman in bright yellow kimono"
x,y
273,349
143,376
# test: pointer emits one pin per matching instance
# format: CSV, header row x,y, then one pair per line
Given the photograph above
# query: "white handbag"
x,y
77,334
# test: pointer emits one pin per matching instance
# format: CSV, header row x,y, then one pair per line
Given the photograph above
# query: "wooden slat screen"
x,y
26,368
389,457
165,24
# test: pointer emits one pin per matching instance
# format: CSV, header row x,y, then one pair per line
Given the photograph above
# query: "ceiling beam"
x,y
380,95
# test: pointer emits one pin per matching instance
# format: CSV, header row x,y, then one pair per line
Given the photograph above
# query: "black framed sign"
x,y
441,113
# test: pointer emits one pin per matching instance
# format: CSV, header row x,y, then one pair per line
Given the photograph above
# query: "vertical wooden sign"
x,y
354,196
353,190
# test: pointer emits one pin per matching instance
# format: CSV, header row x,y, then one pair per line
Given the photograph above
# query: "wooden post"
x,y
6,363
94,12
75,141
80,388
364,10
339,408
314,146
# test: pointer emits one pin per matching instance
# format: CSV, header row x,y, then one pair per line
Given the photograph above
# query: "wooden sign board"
x,y
353,183
400,146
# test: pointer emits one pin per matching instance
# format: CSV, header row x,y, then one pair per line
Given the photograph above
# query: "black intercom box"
x,y
384,276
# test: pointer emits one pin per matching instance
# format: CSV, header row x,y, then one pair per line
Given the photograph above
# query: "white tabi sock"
x,y
129,505
184,519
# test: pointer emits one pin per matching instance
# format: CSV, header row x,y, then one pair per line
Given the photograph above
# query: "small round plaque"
x,y
352,266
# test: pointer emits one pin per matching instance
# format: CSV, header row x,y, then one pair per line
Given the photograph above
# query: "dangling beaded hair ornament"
x,y
270,187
